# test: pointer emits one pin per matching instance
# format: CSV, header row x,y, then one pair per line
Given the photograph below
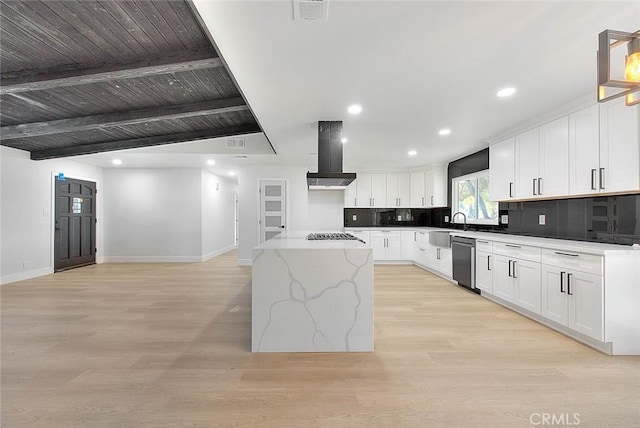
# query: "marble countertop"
x,y
298,240
550,243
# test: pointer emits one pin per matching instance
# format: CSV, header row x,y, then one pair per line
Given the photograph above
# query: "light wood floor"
x,y
167,345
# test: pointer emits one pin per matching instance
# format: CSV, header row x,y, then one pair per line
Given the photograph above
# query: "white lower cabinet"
x,y
517,281
440,259
409,245
484,271
573,299
387,245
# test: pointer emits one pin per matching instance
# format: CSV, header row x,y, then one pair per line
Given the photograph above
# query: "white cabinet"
x,y
440,259
584,151
398,190
527,164
484,271
516,275
502,162
553,168
418,199
363,190
371,190
574,299
409,245
350,194
387,245
619,147
436,187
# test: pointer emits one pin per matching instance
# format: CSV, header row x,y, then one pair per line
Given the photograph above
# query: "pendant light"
x,y
628,85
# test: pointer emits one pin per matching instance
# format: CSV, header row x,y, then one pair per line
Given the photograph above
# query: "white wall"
x,y
166,215
26,207
152,215
306,210
218,214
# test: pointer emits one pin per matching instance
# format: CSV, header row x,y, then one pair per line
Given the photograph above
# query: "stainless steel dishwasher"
x,y
464,261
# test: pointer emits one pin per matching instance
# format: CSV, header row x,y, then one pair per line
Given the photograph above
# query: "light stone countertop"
x,y
596,248
290,240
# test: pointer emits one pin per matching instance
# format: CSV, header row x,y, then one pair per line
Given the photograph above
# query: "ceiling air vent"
x,y
235,143
310,10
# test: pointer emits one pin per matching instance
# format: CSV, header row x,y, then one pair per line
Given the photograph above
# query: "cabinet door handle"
x,y
432,201
355,202
510,267
512,246
514,269
601,178
534,186
539,185
566,254
415,238
569,275
562,281
438,253
484,242
511,189
488,262
423,201
593,179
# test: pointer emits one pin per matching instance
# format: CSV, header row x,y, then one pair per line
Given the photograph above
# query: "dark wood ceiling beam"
x,y
13,83
87,149
101,121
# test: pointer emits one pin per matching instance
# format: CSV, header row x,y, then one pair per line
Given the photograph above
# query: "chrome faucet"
x,y
464,216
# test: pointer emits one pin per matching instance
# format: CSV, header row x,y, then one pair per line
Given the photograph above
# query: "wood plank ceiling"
x,y
80,77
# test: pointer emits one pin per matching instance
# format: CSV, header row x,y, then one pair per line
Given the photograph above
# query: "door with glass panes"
x,y
272,208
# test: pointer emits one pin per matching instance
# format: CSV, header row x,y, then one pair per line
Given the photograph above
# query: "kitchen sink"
x,y
440,239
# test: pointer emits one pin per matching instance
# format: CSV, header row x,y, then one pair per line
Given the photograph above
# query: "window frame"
x,y
455,194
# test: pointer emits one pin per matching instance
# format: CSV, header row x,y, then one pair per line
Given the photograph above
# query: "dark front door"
x,y
75,225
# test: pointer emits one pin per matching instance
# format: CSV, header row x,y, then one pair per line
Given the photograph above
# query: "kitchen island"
x,y
311,296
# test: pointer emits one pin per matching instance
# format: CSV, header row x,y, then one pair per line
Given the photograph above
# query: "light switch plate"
x,y
504,219
542,219
446,219
355,217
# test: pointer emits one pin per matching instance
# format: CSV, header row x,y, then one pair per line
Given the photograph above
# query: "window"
x,y
471,196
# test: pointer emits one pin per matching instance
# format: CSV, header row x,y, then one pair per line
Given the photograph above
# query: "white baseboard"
x,y
21,276
152,259
245,262
216,253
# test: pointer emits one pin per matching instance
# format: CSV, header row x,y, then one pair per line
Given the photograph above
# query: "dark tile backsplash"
x,y
610,219
396,217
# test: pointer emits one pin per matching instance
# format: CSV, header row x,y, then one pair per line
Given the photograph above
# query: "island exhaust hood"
x,y
329,175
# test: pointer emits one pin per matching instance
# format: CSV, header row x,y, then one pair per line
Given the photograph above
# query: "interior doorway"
x,y
273,208
75,224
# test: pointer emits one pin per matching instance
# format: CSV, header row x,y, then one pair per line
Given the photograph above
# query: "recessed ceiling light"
x,y
444,132
506,92
344,140
232,173
412,153
211,162
116,162
354,109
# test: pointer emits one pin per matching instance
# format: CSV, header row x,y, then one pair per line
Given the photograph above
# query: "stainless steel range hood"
x,y
329,175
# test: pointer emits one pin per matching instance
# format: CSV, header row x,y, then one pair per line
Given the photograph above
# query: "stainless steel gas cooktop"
x,y
340,236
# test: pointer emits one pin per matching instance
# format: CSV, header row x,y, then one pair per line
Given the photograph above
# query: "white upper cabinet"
x,y
363,190
418,198
371,190
527,154
398,190
502,160
436,187
378,190
619,147
350,194
584,151
553,167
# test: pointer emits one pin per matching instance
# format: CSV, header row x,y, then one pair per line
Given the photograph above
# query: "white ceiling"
x,y
414,66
